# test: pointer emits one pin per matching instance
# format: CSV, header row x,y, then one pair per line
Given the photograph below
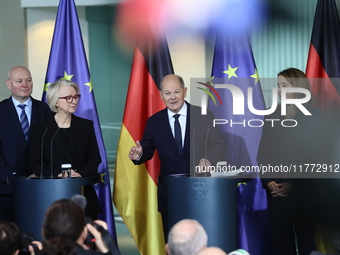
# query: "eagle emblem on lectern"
x,y
199,191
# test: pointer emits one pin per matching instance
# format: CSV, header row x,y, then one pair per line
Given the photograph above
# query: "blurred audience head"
x,y
63,227
186,237
10,238
336,240
212,251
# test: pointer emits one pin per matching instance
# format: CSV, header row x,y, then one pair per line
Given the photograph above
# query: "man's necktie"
x,y
178,134
24,120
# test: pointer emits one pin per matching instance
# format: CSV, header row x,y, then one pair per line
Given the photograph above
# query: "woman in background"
x,y
288,195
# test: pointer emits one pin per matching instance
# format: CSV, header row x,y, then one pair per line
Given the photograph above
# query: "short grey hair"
x,y
52,94
187,237
180,79
17,67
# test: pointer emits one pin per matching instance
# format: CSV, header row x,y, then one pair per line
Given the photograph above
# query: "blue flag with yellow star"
x,y
68,61
234,64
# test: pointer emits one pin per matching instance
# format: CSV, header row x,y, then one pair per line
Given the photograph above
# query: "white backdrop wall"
x,y
187,53
40,27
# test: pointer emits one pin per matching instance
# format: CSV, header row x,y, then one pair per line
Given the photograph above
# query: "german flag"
x,y
324,63
135,187
324,57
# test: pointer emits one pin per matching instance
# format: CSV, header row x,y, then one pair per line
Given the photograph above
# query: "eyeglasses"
x,y
69,99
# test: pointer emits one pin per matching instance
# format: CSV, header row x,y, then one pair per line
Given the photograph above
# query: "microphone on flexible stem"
x,y
42,154
206,153
193,152
52,153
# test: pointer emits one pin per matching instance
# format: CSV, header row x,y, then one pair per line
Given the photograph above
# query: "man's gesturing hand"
x,y
136,151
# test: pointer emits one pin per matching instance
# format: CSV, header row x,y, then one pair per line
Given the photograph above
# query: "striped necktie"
x,y
24,120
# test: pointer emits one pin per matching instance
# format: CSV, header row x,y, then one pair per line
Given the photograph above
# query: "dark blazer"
x,y
12,142
76,146
80,149
201,138
201,141
291,146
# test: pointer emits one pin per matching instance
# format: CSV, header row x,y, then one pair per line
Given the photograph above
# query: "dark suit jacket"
x,y
12,142
294,146
201,141
80,149
76,146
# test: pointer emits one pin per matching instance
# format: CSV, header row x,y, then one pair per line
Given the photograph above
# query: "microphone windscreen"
x,y
79,200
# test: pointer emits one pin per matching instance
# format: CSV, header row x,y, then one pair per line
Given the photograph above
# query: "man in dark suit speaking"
x,y
196,133
183,137
17,114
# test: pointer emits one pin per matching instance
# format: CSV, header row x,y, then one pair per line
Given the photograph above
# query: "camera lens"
x,y
26,240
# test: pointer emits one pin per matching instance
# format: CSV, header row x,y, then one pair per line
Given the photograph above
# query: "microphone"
x,y
207,173
193,151
42,154
52,152
206,144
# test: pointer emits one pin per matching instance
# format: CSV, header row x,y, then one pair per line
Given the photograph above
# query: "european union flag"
x,y
234,64
68,61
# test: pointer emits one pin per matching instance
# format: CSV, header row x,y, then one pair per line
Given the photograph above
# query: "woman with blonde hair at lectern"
x,y
65,138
